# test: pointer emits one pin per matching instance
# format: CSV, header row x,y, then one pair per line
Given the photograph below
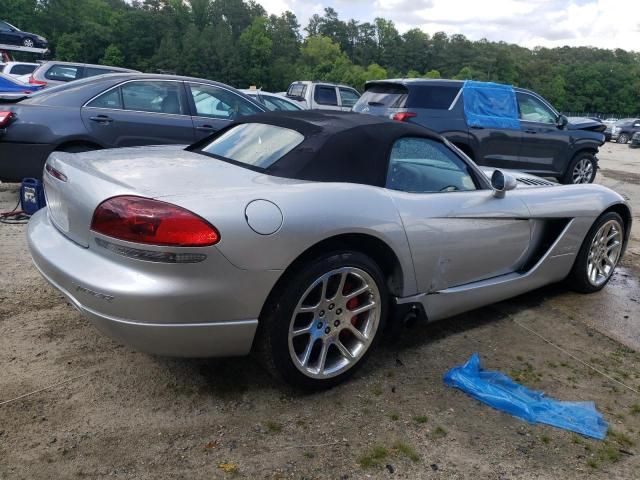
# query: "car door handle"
x,y
101,119
477,127
205,128
531,131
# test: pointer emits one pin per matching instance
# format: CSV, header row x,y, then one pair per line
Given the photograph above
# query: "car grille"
x,y
534,181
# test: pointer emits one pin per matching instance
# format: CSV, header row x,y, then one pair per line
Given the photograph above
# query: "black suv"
x,y
546,143
10,35
624,129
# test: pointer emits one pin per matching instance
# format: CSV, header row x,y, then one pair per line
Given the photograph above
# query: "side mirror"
x,y
502,182
562,121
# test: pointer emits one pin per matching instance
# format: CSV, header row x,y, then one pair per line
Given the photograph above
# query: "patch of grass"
x,y
394,416
546,439
635,409
519,358
230,468
593,463
378,454
439,432
273,427
552,365
308,454
377,390
420,419
525,375
608,452
406,450
374,457
621,438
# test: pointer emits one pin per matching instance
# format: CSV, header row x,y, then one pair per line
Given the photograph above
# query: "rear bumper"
x,y
149,309
21,160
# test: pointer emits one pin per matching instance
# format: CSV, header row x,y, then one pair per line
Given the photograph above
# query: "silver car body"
x,y
455,251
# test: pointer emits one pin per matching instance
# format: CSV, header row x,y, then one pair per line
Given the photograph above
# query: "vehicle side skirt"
x,y
554,266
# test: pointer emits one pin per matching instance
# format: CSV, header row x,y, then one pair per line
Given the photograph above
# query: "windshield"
x,y
382,95
254,144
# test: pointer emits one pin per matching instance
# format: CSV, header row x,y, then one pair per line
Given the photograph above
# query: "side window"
x,y
4,27
348,97
22,69
284,105
422,165
93,71
63,73
533,110
325,95
153,96
110,99
297,90
217,102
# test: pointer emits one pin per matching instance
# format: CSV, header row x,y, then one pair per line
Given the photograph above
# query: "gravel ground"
x,y
124,414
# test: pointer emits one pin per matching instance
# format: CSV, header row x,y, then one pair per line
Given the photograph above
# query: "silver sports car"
x,y
294,234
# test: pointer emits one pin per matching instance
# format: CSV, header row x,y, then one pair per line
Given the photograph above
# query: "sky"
x,y
530,23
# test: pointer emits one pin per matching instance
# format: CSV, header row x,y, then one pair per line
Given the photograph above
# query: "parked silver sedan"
x,y
295,234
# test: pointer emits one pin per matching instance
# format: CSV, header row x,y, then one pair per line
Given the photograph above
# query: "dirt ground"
x,y
127,415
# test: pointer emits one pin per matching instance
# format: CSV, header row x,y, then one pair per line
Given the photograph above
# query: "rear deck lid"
x,y
75,184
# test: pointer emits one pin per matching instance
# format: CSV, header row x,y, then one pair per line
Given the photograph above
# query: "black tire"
x,y
568,177
273,334
623,138
578,279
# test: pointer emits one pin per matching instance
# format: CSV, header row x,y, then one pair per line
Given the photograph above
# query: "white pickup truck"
x,y
322,95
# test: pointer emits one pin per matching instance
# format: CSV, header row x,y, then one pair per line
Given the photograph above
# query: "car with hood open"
x,y
496,125
296,234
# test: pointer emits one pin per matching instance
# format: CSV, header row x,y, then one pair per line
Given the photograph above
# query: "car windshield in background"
x,y
297,90
254,144
390,96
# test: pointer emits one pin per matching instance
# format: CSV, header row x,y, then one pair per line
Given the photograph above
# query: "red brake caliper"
x,y
352,304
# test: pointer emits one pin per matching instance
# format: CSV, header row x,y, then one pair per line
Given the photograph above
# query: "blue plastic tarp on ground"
x,y
490,105
499,391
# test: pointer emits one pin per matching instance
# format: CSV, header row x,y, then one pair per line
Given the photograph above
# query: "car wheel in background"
x,y
323,322
623,138
598,255
27,42
582,169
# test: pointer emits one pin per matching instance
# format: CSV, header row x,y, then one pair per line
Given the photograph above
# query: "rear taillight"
x,y
143,220
403,116
33,81
5,118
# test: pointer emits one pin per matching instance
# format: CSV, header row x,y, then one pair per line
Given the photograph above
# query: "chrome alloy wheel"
x,y
28,43
604,252
334,323
583,171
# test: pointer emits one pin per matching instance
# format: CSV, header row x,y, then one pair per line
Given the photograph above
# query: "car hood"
x,y
525,180
582,123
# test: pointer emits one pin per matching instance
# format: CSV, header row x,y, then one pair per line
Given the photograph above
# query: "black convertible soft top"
x,y
338,146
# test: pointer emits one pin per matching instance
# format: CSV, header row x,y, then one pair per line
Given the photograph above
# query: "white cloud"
x,y
600,23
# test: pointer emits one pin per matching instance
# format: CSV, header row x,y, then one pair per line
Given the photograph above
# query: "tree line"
x,y
237,42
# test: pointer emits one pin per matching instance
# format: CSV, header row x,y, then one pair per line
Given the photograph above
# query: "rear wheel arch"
x,y
380,252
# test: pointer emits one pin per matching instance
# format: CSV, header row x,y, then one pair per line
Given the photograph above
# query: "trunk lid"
x,y
152,172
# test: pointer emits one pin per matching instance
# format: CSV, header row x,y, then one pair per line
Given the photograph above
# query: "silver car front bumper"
x,y
180,311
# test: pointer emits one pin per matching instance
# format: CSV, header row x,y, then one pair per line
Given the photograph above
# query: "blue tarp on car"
x,y
490,105
500,392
